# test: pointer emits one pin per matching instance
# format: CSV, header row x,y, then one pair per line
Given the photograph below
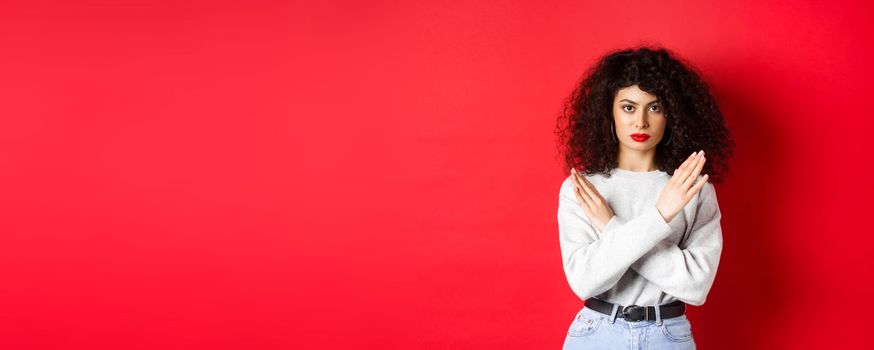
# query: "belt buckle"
x,y
626,312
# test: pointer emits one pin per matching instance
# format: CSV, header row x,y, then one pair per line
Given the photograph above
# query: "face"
x,y
638,119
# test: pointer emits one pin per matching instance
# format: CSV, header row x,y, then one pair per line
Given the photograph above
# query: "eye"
x,y
629,106
657,108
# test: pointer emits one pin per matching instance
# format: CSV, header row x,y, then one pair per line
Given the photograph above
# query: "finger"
x,y
579,198
691,156
583,202
689,162
694,174
698,186
576,190
588,188
579,187
688,168
585,184
678,173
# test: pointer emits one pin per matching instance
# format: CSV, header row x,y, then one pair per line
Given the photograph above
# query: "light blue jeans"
x,y
594,330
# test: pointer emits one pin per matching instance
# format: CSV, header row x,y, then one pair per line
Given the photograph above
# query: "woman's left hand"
x,y
590,199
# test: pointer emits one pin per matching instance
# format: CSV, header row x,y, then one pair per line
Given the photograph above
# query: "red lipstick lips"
x,y
640,137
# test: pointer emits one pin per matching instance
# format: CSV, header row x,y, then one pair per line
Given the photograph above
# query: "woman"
x,y
639,224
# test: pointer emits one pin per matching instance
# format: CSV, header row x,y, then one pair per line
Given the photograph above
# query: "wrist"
x,y
667,218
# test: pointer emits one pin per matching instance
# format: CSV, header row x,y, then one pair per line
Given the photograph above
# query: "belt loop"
x,y
613,314
658,315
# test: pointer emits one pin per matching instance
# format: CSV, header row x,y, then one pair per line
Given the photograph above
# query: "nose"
x,y
640,122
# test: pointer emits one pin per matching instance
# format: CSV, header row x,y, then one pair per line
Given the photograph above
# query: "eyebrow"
x,y
634,103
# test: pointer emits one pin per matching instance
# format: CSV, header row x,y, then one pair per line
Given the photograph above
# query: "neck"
x,y
636,160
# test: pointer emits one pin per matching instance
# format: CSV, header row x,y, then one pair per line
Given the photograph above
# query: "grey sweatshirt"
x,y
640,259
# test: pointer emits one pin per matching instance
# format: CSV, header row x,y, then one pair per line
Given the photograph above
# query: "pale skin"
x,y
630,117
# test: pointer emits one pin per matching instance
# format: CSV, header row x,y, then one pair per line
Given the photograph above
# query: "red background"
x,y
252,174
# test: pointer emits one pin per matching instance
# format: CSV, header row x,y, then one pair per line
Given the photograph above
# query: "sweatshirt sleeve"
x,y
687,271
594,263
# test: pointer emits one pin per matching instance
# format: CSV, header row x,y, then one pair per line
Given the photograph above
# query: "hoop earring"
x,y
613,133
671,138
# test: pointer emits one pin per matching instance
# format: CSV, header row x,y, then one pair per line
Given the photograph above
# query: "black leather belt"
x,y
638,313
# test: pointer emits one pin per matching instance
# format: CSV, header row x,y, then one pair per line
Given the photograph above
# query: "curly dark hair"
x,y
694,121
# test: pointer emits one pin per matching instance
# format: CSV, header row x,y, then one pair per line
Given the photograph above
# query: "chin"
x,y
646,146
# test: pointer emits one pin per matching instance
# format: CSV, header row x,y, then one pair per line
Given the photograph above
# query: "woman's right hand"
x,y
680,190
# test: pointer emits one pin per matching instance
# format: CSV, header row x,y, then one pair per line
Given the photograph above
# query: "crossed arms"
x,y
594,262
